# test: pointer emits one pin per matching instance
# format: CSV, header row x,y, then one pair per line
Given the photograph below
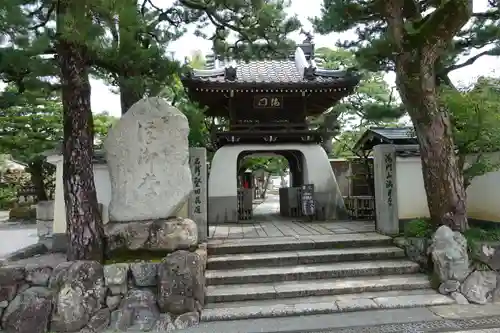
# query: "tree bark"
x,y
84,223
443,179
417,53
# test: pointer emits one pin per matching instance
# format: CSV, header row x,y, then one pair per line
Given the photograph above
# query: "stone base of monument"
x,y
85,296
161,235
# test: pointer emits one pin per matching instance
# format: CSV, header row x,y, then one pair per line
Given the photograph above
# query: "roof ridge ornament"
x,y
309,73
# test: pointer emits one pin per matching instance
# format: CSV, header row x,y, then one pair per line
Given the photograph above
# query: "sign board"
x,y
308,204
268,102
198,199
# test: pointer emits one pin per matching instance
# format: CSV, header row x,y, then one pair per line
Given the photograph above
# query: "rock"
x,y
449,286
144,273
164,324
115,276
4,304
112,302
11,275
38,275
79,287
459,298
416,249
186,320
161,235
138,311
400,242
449,255
490,255
11,279
202,252
147,153
99,322
29,312
479,286
181,283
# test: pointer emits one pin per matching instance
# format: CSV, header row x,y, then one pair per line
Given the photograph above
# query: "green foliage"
x,y
8,196
476,122
376,51
421,228
372,104
272,165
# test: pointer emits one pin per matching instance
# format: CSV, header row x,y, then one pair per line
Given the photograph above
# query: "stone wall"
x,y
87,297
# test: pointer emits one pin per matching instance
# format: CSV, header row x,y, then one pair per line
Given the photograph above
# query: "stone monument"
x,y
147,153
148,159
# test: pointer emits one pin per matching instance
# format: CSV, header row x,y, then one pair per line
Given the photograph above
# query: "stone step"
x,y
300,306
288,289
270,244
309,272
287,258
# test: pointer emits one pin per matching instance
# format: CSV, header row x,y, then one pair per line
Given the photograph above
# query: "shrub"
x,y
421,228
23,213
8,196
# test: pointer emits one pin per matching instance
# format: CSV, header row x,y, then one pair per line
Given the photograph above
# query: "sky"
x,y
104,100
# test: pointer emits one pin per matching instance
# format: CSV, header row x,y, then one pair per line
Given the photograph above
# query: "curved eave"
x,y
341,84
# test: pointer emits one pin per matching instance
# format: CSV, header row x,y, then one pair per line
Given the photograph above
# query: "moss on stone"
x,y
117,257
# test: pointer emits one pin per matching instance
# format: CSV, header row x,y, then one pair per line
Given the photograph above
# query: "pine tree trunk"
x,y
84,228
37,179
443,179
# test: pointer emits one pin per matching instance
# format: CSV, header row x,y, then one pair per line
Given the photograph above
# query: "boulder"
x,y
186,320
138,312
144,273
449,255
115,277
99,322
479,287
181,283
11,279
161,235
38,275
449,286
147,153
79,288
29,312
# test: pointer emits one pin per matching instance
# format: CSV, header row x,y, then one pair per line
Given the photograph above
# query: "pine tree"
x,y
421,41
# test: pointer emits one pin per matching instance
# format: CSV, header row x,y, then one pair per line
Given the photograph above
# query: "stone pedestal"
x,y
44,219
386,205
198,199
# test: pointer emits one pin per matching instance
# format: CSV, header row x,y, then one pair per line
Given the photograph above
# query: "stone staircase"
x,y
301,275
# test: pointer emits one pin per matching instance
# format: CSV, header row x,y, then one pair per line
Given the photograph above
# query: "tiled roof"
x,y
395,133
287,71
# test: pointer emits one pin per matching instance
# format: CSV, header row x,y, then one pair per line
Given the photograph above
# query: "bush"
x,y
23,213
421,228
8,196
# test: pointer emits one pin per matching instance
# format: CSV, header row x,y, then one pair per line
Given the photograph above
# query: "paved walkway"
x,y
435,319
15,236
267,223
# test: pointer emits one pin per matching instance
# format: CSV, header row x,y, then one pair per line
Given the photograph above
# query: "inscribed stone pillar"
x,y
386,205
198,199
147,155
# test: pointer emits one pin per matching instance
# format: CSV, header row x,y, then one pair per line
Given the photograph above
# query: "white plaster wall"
x,y
482,195
103,191
412,200
222,180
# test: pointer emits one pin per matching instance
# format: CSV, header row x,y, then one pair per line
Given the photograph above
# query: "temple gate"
x,y
262,107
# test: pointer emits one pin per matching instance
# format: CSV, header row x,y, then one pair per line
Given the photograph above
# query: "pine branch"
x,y
471,60
438,28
